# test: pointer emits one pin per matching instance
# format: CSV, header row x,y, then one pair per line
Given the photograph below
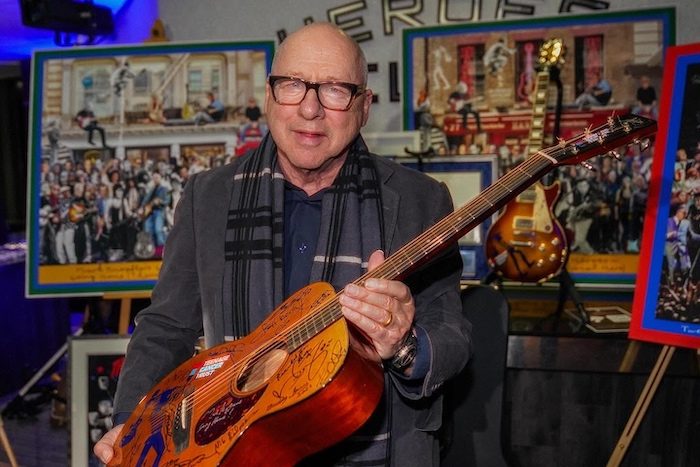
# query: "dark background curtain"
x,y
14,92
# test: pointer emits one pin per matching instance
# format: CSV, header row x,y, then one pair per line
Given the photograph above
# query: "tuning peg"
x,y
643,144
615,154
588,166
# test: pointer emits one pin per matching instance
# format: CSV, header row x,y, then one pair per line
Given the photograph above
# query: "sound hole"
x,y
259,369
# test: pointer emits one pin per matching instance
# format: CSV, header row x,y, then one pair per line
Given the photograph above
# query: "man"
x,y
87,121
213,112
646,99
65,230
580,217
311,162
598,94
252,112
153,211
676,247
694,236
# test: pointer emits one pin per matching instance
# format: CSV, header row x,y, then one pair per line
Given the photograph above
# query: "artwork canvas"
x,y
465,177
115,134
470,89
666,306
95,366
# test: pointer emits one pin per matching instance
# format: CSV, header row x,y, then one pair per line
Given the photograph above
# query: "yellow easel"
x,y
640,409
6,445
125,307
158,34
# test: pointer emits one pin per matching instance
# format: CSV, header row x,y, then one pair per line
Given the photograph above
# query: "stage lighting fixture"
x,y
68,16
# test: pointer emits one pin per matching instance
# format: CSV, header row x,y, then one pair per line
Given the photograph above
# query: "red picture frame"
x,y
666,306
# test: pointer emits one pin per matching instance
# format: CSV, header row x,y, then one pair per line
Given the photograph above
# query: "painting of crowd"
x,y
456,77
602,207
97,208
679,294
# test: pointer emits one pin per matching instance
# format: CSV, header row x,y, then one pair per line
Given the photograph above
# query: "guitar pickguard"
x,y
541,219
527,243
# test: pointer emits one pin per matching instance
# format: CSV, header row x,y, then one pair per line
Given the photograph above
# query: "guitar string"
x,y
331,307
379,272
411,251
255,377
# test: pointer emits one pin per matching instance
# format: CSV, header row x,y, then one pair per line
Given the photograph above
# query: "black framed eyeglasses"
x,y
333,95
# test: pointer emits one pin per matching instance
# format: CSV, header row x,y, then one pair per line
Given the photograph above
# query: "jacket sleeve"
x,y
167,330
436,293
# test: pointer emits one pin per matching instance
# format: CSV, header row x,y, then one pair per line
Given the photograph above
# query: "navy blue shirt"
x,y
302,222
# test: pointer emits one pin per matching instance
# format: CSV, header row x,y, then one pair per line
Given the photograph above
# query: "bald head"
x,y
326,41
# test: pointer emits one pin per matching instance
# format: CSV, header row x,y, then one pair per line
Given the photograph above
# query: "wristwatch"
x,y
404,357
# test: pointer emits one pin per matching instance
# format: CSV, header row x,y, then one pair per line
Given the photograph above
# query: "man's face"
x,y
308,135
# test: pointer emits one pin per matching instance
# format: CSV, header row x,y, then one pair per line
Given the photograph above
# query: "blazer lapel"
x,y
390,203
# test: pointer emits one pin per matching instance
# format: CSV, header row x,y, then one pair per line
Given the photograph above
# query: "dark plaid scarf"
x,y
351,229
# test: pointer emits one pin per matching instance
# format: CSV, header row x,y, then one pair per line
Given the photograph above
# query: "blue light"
x,y
17,41
114,5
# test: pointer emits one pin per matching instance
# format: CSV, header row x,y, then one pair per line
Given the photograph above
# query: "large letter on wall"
x,y
334,15
403,14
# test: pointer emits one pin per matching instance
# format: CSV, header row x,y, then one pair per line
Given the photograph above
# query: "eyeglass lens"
x,y
334,96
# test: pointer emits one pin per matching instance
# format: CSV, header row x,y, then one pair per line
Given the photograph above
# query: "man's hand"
x,y
104,449
383,310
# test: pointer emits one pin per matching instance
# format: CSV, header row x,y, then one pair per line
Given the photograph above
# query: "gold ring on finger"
x,y
388,320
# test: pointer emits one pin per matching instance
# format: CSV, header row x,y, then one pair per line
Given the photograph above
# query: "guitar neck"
x,y
539,110
432,241
604,139
455,225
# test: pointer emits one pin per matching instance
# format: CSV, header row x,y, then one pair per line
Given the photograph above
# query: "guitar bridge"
x,y
182,422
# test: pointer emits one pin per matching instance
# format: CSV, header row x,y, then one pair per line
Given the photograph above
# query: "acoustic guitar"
x,y
295,386
527,243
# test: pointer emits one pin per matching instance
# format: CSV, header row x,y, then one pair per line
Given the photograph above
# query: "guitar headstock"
x,y
618,131
551,53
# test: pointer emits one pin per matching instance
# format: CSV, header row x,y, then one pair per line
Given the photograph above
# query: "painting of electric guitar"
x,y
527,243
295,385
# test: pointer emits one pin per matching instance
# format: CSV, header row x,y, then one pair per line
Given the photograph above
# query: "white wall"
x,y
235,20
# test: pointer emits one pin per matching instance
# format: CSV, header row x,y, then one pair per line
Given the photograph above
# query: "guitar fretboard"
x,y
617,132
433,240
539,110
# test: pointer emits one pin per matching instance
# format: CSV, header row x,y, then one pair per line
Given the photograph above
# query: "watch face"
x,y
406,354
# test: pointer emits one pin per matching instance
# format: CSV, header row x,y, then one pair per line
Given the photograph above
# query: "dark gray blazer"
x,y
187,300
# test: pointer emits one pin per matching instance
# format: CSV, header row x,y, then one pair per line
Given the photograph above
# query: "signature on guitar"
x,y
295,385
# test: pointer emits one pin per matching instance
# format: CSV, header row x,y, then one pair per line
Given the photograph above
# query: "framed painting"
x,y
115,132
497,88
95,363
666,306
465,177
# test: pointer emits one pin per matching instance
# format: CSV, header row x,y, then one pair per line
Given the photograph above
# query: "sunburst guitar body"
x,y
527,243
